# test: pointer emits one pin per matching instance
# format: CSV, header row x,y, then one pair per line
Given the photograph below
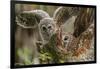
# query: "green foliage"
x,y
50,54
24,55
44,57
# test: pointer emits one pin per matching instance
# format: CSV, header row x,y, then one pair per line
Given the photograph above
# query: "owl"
x,y
47,29
27,35
78,49
82,26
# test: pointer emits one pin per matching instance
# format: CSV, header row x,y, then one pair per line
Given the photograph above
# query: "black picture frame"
x,y
12,34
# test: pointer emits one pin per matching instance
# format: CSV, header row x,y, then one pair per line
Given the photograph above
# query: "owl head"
x,y
66,39
47,28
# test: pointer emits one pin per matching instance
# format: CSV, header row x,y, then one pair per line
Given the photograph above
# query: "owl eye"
x,y
49,27
44,28
66,38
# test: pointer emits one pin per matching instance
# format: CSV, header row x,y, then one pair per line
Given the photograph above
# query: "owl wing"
x,y
62,14
86,42
83,20
30,19
84,31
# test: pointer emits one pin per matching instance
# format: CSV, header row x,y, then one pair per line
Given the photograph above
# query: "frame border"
x,y
12,34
